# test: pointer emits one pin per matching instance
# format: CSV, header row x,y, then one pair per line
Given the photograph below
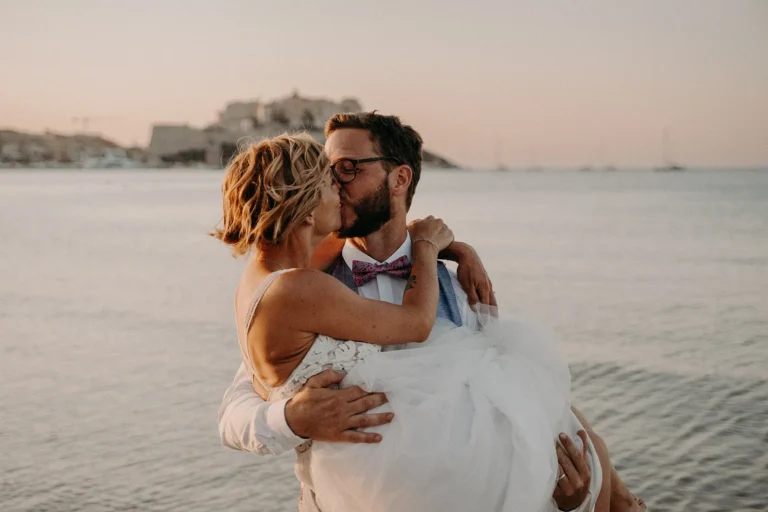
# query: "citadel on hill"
x,y
217,142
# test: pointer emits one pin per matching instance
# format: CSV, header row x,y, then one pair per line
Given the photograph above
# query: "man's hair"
x,y
390,137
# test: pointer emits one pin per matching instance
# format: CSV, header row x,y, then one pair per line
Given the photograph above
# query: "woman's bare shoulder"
x,y
300,283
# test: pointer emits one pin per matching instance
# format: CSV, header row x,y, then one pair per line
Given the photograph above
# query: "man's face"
x,y
365,201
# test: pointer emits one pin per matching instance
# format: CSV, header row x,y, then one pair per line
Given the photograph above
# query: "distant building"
x,y
170,139
26,148
11,152
305,113
255,120
242,115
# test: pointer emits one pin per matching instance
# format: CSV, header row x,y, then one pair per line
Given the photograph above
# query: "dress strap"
x,y
255,300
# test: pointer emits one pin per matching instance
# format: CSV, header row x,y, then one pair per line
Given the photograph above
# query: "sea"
x,y
117,335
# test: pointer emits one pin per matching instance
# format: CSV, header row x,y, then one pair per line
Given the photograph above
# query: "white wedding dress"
x,y
476,419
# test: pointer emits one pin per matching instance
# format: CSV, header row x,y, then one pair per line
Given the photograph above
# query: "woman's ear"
x,y
310,220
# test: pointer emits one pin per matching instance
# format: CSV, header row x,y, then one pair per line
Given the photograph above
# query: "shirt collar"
x,y
350,253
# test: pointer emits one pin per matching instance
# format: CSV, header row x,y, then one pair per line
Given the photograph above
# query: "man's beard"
x,y
371,212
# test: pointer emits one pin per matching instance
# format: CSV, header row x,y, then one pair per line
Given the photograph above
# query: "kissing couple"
x,y
395,379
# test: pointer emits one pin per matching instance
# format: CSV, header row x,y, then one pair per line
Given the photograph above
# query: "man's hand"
x,y
471,273
572,488
324,414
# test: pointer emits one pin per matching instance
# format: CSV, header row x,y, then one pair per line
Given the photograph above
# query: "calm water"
x,y
117,337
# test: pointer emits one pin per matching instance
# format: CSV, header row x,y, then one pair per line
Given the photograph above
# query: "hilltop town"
x,y
183,145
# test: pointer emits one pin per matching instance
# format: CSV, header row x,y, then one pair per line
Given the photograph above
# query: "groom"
x,y
377,161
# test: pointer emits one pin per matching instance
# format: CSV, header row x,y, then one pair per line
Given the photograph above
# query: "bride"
x,y
476,412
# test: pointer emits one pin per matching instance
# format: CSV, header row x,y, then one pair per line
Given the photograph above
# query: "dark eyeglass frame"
x,y
355,163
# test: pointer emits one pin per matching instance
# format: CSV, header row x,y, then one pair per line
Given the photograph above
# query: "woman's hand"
x,y
433,230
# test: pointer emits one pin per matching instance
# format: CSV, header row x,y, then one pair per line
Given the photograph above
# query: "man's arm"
x,y
248,423
471,273
470,284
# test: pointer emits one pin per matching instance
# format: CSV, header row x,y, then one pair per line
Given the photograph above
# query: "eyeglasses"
x,y
345,169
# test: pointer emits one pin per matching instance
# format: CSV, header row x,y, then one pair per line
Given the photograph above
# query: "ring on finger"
x,y
561,477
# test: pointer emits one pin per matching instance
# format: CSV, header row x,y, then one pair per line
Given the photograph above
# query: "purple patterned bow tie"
x,y
367,272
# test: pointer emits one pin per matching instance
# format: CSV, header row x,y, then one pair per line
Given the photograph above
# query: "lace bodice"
x,y
325,353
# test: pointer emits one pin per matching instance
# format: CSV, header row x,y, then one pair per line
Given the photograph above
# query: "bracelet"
x,y
425,240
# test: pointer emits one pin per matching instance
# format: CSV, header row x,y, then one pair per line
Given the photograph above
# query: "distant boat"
x,y
666,150
500,166
604,167
534,167
586,168
113,159
670,168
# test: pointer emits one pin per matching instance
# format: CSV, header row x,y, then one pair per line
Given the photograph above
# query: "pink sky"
x,y
554,79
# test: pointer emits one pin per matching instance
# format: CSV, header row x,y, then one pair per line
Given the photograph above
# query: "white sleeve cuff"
x,y
284,436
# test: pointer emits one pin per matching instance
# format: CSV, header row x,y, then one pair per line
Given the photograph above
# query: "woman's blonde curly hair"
x,y
269,189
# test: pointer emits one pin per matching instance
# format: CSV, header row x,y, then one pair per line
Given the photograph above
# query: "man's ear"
x,y
400,180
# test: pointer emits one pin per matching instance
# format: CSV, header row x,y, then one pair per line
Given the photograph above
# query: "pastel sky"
x,y
555,82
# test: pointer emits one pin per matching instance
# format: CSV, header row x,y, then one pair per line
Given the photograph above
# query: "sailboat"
x,y
608,167
500,167
669,165
534,167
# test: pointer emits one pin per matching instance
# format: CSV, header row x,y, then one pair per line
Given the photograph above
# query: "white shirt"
x,y
248,423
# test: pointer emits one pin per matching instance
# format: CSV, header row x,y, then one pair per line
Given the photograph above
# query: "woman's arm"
x,y
472,276
314,302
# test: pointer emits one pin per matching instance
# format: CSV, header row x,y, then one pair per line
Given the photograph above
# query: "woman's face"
x,y
327,213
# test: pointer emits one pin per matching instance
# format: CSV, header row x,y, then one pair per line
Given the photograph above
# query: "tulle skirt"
x,y
476,419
